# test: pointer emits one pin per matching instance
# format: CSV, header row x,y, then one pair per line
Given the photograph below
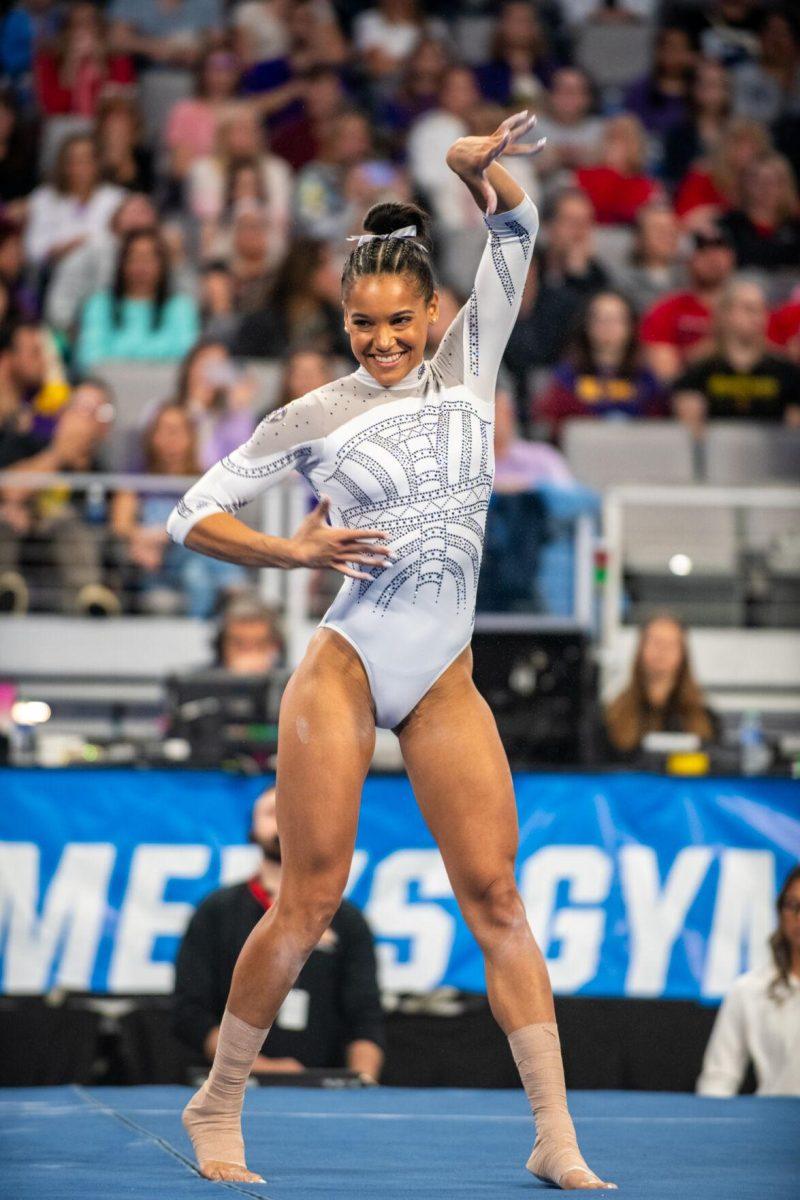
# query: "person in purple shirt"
x,y
659,99
219,397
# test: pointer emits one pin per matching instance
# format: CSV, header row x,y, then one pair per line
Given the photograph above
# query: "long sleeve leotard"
x,y
416,460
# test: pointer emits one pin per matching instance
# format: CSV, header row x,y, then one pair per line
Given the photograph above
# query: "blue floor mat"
x,y
394,1144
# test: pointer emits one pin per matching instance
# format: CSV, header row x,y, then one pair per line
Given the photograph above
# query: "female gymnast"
x,y
400,455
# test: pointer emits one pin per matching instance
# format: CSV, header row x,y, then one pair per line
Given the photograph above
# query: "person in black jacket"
x,y
331,1018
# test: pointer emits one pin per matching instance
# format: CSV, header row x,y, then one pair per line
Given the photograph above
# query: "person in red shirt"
x,y
71,75
618,186
713,186
678,327
783,329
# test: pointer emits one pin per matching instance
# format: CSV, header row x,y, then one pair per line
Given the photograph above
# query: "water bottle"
x,y
754,755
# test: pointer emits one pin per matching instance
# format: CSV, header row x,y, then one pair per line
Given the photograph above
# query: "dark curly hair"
x,y
779,943
394,256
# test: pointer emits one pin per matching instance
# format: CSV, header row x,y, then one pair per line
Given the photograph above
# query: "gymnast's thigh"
x,y
461,779
325,743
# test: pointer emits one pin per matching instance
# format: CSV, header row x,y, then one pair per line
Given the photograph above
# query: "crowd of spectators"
x,y
177,183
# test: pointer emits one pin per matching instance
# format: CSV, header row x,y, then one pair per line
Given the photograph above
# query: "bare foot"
x,y
228,1172
216,1135
569,1175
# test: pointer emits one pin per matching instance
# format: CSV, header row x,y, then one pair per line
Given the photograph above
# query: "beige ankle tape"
x,y
212,1118
537,1053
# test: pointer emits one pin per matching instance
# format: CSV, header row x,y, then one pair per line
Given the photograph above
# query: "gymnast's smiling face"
x,y
387,319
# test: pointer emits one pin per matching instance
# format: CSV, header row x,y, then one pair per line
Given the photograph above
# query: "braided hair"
x,y
392,255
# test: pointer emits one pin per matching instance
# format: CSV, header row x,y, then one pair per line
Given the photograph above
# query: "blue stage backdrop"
x,y
635,885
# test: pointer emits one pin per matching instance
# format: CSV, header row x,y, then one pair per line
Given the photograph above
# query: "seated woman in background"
x,y
304,371
192,123
124,159
759,1020
140,317
219,397
713,186
765,230
171,579
697,136
618,186
654,268
662,695
602,376
71,74
302,307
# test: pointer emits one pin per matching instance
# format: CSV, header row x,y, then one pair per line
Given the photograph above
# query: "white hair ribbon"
x,y
408,231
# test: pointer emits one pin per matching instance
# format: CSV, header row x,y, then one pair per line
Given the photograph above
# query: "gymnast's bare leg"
x,y
461,779
326,740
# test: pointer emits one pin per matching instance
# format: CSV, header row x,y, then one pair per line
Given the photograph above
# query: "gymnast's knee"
x,y
310,906
494,910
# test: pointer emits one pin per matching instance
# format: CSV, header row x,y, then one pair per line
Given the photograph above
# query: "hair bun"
x,y
391,216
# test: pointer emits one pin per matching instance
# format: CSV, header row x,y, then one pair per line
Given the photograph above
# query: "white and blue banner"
x,y
635,885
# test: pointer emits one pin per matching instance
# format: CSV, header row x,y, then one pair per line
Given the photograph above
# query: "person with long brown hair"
x,y
662,693
759,1020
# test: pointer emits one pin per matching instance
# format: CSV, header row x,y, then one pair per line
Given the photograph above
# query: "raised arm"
x,y
473,347
286,440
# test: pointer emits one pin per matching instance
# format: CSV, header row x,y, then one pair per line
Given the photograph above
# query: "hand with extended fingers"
x,y
471,157
318,544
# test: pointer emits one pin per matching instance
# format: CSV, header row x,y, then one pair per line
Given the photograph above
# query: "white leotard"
x,y
416,460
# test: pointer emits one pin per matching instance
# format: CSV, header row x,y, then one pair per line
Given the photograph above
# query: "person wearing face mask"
x,y
332,1017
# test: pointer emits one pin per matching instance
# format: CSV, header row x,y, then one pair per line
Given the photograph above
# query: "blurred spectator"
x,y
560,282
417,92
740,379
387,35
191,130
32,382
770,88
678,327
26,26
305,371
249,639
170,577
611,11
51,540
164,34
261,30
219,398
659,98
759,1019
573,134
603,376
332,1016
91,267
300,138
522,465
72,210
519,66
326,205
618,185
303,307
731,33
250,252
661,696
699,134
139,317
655,262
765,231
124,159
74,71
218,315
211,180
431,136
714,187
18,173
21,303
783,329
